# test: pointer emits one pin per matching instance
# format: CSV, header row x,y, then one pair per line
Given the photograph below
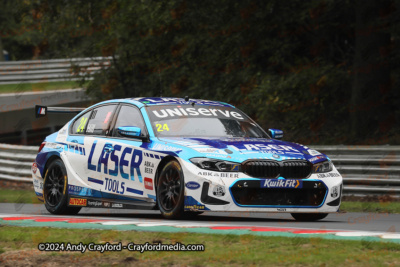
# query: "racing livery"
x,y
181,156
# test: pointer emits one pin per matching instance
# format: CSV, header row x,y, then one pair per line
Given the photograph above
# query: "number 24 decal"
x,y
161,128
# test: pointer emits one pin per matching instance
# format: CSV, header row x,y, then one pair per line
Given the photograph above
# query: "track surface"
x,y
381,222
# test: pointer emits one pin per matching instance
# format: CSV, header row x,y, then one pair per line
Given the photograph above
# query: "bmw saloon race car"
x,y
181,156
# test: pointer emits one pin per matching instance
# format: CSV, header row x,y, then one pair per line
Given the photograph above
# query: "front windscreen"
x,y
202,121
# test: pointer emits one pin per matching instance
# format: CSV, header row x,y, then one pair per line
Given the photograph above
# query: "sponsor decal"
x,y
314,159
313,152
106,204
164,113
148,183
94,203
165,148
280,209
148,167
217,156
78,202
129,158
219,191
80,150
34,167
281,183
195,207
335,191
90,128
265,148
328,175
117,205
192,185
74,189
229,175
115,186
207,173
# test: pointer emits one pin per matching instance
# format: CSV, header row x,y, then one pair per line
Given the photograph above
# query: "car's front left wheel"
x,y
55,189
170,190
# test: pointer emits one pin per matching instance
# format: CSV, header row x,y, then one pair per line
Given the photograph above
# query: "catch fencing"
x,y
366,170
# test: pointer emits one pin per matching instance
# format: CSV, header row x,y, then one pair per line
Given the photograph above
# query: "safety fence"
x,y
366,170
34,71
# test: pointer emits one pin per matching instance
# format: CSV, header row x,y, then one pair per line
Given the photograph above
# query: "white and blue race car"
x,y
181,156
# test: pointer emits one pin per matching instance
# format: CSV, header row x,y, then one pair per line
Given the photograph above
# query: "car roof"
x,y
151,101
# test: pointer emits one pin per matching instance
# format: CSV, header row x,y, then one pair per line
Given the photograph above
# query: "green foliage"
x,y
289,64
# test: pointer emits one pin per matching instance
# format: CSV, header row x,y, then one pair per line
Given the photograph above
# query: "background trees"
x,y
323,71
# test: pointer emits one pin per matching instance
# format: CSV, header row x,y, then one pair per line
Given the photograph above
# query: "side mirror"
x,y
276,134
129,131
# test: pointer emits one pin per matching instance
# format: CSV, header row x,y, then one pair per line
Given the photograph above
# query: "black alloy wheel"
x,y
55,189
170,191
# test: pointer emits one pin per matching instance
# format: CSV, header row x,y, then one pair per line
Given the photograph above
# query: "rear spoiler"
x,y
42,111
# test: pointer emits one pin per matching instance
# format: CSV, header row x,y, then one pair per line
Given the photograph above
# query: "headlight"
x,y
216,165
325,166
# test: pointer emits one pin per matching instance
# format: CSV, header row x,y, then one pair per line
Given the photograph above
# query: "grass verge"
x,y
18,196
28,196
29,87
19,246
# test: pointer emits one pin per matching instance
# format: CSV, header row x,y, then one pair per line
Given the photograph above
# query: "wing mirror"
x,y
275,133
129,131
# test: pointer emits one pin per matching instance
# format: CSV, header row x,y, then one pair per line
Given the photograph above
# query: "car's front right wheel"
x,y
309,217
170,190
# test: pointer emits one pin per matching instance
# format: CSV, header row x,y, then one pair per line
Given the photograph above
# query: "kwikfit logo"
x,y
281,183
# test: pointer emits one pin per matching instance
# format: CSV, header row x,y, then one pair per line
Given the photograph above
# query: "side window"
x,y
99,120
129,116
79,125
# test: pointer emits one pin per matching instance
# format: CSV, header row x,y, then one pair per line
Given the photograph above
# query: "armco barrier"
x,y
52,70
366,170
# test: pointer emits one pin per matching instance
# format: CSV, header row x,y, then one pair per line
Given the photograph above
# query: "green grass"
x,y
18,196
29,87
357,206
29,196
236,250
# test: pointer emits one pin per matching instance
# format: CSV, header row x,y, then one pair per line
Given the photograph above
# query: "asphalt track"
x,y
379,222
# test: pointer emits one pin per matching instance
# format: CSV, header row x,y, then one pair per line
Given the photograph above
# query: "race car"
x,y
181,156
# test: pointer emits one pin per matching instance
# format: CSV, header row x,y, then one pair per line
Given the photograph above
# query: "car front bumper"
x,y
236,191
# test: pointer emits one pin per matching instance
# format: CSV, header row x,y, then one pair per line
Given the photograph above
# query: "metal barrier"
x,y
33,71
366,170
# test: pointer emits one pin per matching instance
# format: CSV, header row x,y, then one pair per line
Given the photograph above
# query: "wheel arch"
x,y
160,166
48,162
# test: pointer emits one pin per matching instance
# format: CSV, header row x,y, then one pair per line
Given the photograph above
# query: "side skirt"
x,y
79,201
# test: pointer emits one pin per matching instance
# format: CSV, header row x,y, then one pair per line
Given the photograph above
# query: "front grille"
x,y
295,169
264,169
249,193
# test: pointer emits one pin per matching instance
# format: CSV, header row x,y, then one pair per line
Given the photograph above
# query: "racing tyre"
x,y
309,217
55,191
170,191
